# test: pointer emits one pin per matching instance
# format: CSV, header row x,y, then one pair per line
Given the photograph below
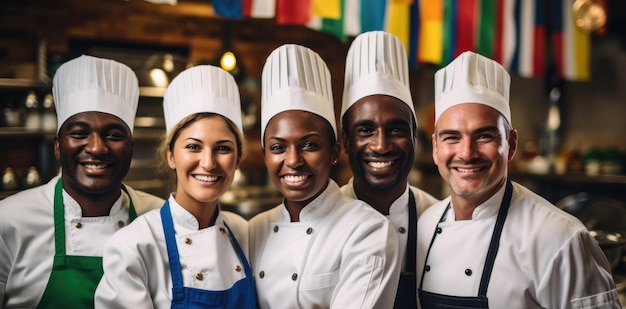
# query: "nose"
x,y
380,142
293,158
207,160
95,145
467,149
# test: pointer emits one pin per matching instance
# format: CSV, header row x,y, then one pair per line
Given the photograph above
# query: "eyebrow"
x,y
197,140
490,128
304,137
108,127
394,121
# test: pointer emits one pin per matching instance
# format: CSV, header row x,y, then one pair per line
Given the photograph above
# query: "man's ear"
x,y
512,144
434,144
57,148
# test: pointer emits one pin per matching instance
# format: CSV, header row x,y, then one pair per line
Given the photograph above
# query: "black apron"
x,y
73,280
241,295
433,300
406,297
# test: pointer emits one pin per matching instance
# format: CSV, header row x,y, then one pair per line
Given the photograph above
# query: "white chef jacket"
x,y
27,237
546,259
136,264
399,212
342,254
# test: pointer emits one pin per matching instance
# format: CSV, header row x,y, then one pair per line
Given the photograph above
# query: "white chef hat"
x,y
203,88
376,64
296,78
90,84
472,78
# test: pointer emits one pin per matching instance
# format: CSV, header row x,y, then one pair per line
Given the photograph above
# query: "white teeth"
x,y
299,178
205,178
468,170
380,164
95,166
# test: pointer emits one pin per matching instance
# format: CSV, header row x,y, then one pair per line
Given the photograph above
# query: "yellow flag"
x,y
327,8
399,19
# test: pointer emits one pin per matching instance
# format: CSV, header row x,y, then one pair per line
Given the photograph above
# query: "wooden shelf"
x,y
18,83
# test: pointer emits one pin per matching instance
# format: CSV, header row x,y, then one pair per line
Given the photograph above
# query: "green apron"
x,y
73,281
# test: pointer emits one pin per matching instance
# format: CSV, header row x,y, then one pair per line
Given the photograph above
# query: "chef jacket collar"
x,y
487,209
317,208
73,210
398,207
185,220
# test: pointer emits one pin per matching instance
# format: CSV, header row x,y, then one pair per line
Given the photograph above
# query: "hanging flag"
x,y
526,30
414,34
397,20
539,44
289,12
556,35
334,27
431,31
466,12
228,8
486,28
373,15
259,8
517,26
449,31
327,8
576,47
352,17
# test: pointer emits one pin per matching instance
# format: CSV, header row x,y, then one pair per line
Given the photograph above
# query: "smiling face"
x,y
204,156
299,152
95,150
379,139
471,150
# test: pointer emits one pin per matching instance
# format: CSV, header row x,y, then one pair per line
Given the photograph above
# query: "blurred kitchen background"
x,y
567,59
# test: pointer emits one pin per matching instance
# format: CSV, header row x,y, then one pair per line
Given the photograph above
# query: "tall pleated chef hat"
x,y
376,64
296,78
90,84
472,78
203,88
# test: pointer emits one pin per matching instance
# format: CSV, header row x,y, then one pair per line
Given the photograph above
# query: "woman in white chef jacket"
x,y
188,254
318,249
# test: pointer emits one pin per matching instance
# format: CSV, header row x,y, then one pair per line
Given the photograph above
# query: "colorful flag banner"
x,y
259,8
512,32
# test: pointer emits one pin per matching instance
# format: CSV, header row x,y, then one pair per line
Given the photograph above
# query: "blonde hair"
x,y
167,143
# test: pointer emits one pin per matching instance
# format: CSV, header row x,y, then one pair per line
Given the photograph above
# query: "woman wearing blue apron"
x,y
189,254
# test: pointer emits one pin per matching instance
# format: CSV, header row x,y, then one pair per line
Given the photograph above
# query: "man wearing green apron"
x,y
52,236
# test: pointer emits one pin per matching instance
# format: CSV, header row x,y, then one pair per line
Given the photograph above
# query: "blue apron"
x,y
241,295
406,297
434,300
74,278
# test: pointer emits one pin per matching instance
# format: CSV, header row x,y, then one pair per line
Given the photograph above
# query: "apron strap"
x,y
432,240
59,216
172,253
59,220
493,245
240,254
132,213
495,239
411,247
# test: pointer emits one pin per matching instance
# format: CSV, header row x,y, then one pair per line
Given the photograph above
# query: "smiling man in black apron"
x,y
380,135
52,236
493,243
